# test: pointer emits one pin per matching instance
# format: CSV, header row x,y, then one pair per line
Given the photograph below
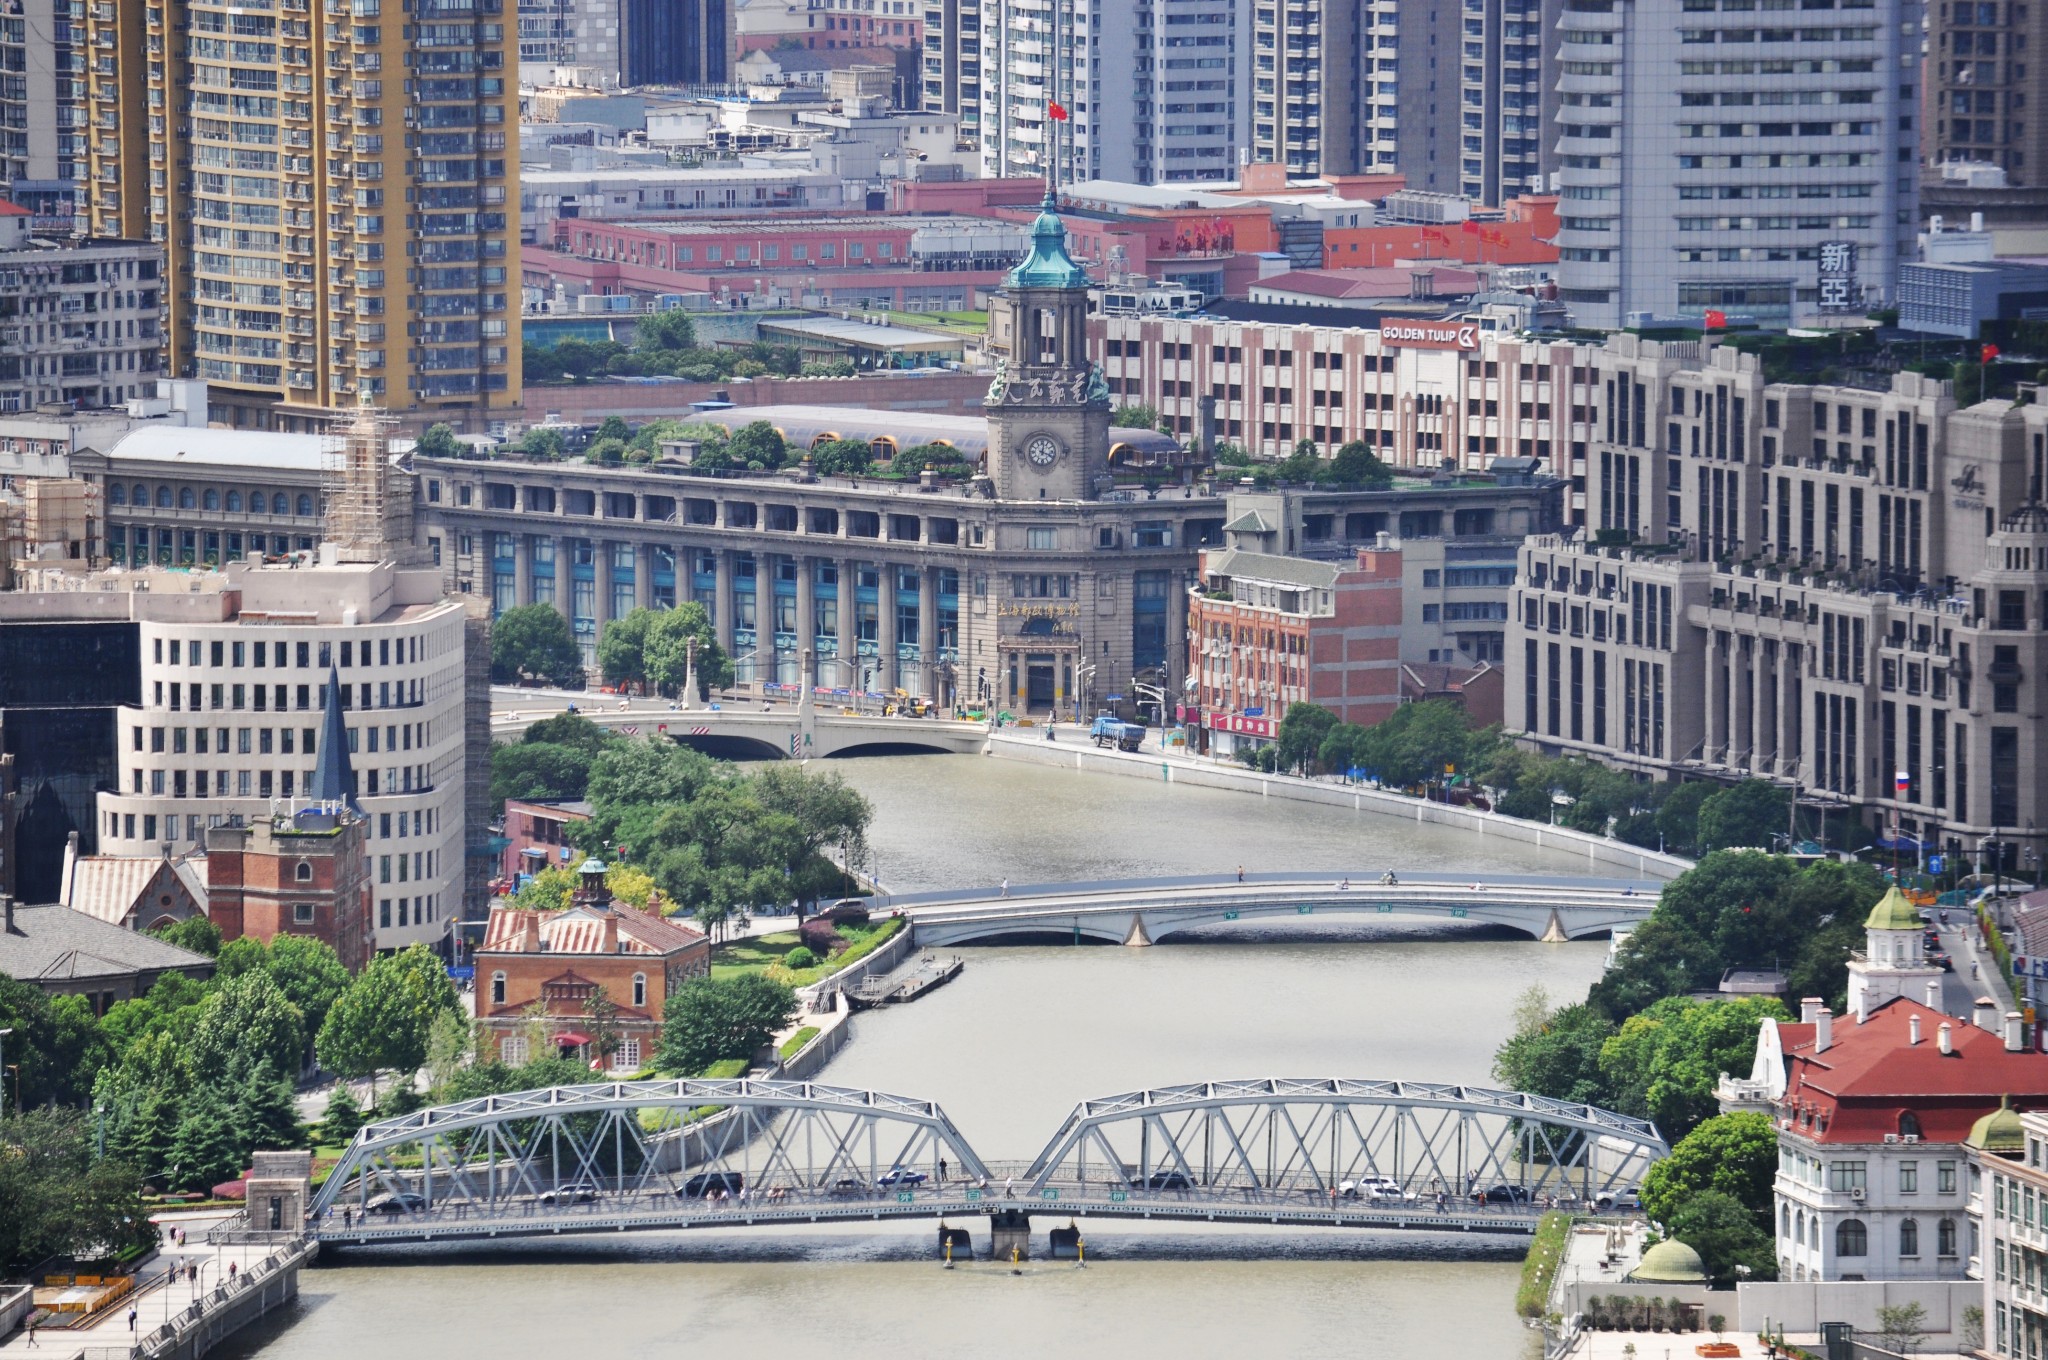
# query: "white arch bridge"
x,y
1141,911
652,1155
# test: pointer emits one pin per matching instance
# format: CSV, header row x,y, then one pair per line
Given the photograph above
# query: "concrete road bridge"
x,y
1267,1152
1141,911
730,732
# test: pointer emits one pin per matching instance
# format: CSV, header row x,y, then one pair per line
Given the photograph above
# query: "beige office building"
x,y
333,193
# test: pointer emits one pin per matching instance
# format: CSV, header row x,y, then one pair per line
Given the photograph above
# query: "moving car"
x,y
1626,1201
1387,1190
1163,1180
899,1175
575,1192
396,1202
1506,1194
704,1182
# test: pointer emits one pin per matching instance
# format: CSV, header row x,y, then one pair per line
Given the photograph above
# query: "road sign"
x,y
1305,909
1457,911
905,1197
1230,916
1048,1194
1386,907
1119,1196
973,1195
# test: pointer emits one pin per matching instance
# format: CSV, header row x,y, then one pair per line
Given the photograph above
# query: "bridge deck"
x,y
660,1210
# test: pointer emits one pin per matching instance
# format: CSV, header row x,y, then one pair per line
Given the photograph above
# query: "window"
x,y
304,872
1945,1237
512,1048
1909,1237
640,989
1945,1177
1909,1125
627,1059
1039,539
302,913
1851,1238
1846,1176
1909,1178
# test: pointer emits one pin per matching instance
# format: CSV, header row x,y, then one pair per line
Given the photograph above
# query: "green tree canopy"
x,y
1665,1060
533,642
668,651
1301,735
613,427
842,457
384,1018
1556,1053
1725,1234
56,1197
710,1020
537,770
249,1017
1745,814
1135,417
195,933
56,1044
439,441
1678,817
759,442
1356,464
1417,743
1731,1154
311,976
669,330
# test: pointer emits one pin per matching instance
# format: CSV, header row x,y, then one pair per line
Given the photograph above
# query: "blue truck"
x,y
1112,731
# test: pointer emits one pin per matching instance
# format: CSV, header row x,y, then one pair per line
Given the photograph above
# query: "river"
x,y
1008,1050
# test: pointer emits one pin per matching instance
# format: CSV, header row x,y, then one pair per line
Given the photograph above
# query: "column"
x,y
885,626
928,630
522,569
849,633
603,613
643,576
806,620
722,593
1718,661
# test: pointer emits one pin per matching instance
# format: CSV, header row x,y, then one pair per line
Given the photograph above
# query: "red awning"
x,y
571,1039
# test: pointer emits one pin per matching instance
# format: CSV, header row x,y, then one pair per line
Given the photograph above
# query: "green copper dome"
x,y
2000,1131
1048,265
1670,1262
1894,912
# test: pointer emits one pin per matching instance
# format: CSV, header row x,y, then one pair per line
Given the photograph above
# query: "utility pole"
x,y
3,1069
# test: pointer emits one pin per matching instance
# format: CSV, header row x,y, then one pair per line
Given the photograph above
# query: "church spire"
x,y
334,779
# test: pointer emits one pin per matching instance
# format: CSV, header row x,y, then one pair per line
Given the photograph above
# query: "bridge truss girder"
x,y
483,1155
1309,1136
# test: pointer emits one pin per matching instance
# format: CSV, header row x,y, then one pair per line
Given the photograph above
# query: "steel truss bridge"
x,y
1141,911
626,1156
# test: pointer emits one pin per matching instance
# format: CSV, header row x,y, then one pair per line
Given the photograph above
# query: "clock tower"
x,y
1048,407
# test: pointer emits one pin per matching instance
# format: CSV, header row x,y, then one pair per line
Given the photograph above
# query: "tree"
x,y
1418,743
206,1150
1556,1054
843,458
606,452
195,933
57,1049
1679,816
622,649
710,1020
1730,1154
668,651
1301,734
1664,1062
533,641
1135,417
547,890
1356,464
530,770
613,427
57,1198
266,1115
602,1015
759,443
1745,814
449,1041
343,1117
250,1017
384,1018
633,782
813,811
1725,1234
661,331
1902,1326
310,974
541,443
439,441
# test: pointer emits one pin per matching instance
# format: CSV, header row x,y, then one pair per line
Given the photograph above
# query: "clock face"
x,y
1043,450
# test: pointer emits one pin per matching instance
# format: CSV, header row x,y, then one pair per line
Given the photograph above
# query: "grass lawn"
x,y
765,951
962,323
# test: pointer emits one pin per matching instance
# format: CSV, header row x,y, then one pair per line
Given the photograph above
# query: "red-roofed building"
x,y
560,960
1872,1116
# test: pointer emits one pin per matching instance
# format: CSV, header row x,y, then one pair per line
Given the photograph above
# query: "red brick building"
x,y
536,835
553,963
303,874
1265,632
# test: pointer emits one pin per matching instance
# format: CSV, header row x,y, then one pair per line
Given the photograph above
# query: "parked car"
x,y
396,1202
899,1176
704,1182
1163,1180
1623,1201
1506,1194
847,1185
1387,1190
575,1192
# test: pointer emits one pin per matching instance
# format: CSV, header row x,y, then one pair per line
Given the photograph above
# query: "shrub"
x,y
847,914
820,938
799,957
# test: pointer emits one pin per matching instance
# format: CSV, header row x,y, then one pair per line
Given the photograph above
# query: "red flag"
x,y
1058,112
1469,226
1990,352
1717,321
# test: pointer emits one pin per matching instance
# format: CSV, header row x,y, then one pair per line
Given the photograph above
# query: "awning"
x,y
571,1039
533,852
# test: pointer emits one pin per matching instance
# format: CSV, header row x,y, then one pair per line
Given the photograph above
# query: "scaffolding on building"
x,y
355,470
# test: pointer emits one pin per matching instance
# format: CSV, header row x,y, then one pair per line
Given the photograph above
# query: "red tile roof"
x,y
8,209
1872,1073
580,930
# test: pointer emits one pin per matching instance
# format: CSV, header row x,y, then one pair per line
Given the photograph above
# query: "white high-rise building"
x,y
1753,157
1154,90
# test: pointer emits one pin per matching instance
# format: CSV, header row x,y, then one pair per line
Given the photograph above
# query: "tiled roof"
x,y
55,943
580,930
1872,1073
107,887
1294,571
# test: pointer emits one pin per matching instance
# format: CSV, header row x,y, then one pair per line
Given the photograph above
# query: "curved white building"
x,y
235,666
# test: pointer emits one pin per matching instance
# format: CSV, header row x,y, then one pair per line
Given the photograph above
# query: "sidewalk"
x,y
156,1298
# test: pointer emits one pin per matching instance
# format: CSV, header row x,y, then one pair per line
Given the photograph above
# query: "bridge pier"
x,y
959,1240
1137,937
1009,1229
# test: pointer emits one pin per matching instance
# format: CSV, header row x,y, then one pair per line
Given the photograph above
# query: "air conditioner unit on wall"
x,y
1858,1194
